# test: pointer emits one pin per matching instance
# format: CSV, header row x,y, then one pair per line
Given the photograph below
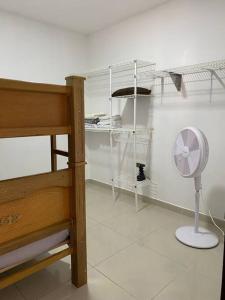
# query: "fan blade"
x,y
184,134
179,145
190,140
182,164
194,144
193,160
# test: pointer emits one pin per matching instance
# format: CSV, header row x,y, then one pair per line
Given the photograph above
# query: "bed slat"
x,y
35,267
17,188
33,131
33,237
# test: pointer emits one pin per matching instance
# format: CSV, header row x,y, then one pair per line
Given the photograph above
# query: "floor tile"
x,y
98,288
164,242
10,293
45,281
140,271
191,286
102,243
138,225
209,263
90,223
103,208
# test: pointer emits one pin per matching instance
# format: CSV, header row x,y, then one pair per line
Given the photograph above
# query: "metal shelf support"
x,y
214,73
177,80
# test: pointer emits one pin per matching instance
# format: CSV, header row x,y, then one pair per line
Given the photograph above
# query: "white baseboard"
x,y
167,205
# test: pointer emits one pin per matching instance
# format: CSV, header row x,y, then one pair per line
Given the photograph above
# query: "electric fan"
x,y
191,153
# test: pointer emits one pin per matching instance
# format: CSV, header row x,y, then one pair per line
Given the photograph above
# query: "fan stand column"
x,y
197,200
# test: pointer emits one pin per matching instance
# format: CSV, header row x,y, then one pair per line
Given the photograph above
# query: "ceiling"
x,y
84,16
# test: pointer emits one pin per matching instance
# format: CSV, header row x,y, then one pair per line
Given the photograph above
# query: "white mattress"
x,y
32,250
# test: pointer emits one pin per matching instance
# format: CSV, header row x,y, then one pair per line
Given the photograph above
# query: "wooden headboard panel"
x,y
29,109
26,106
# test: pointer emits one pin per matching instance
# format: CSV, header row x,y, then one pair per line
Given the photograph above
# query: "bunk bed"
x,y
40,212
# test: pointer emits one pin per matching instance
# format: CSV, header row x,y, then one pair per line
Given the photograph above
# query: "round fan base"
x,y
203,239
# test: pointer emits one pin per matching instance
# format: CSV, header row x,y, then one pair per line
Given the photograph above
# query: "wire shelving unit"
x,y
128,74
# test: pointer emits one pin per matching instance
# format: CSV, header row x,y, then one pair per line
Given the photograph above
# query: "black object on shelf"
x,y
129,91
141,174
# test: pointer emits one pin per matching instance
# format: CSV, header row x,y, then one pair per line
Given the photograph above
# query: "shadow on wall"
x,y
216,201
143,110
95,141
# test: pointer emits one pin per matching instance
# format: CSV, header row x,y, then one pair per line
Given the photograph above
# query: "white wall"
x,y
33,51
180,32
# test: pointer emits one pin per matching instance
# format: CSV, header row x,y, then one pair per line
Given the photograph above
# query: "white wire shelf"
x,y
198,72
97,129
147,76
118,68
191,69
131,96
120,130
130,183
131,130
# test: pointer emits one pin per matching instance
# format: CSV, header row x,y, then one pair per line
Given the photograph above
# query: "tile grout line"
x,y
166,256
125,236
117,252
163,288
115,283
20,292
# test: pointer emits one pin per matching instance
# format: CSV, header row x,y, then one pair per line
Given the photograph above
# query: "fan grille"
x,y
187,153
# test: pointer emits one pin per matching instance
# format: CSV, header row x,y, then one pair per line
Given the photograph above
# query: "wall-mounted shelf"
x,y
147,75
177,74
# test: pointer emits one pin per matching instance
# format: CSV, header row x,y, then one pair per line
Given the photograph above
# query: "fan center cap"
x,y
185,151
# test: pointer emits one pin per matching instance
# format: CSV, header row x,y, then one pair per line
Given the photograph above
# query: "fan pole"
x,y
198,187
197,197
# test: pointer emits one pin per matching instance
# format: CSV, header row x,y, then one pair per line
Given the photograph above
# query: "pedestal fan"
x,y
191,153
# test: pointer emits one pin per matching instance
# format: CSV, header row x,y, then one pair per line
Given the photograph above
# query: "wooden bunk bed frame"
x,y
34,207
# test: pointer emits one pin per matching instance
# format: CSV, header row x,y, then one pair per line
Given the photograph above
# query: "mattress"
x,y
32,250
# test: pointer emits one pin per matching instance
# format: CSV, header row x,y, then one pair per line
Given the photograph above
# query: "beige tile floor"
x,y
130,256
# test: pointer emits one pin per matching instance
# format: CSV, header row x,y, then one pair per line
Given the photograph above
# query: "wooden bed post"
x,y
77,164
53,155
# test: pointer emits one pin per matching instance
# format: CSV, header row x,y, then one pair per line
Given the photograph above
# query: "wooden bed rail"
x,y
33,131
17,85
21,187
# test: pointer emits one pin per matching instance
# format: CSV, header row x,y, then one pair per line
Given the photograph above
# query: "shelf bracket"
x,y
213,72
177,79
